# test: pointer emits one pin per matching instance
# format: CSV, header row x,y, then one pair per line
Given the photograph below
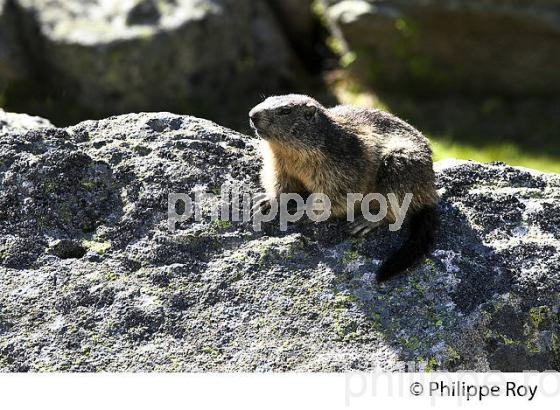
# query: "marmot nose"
x,y
255,118
254,114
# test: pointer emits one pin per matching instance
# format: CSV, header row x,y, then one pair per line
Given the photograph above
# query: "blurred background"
x,y
481,78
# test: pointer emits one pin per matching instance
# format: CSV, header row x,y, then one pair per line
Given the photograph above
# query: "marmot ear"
x,y
310,111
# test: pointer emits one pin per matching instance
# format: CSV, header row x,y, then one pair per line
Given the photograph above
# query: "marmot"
x,y
308,148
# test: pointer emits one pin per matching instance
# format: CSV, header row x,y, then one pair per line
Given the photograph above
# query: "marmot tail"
x,y
423,226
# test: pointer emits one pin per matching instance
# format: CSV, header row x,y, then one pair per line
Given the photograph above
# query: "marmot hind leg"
x,y
405,172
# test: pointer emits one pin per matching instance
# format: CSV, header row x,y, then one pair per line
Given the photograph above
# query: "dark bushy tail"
x,y
423,225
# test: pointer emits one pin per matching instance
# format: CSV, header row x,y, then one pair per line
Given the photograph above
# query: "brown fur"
x,y
342,150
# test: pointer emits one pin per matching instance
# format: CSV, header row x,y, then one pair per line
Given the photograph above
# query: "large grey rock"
x,y
13,66
484,46
190,56
91,279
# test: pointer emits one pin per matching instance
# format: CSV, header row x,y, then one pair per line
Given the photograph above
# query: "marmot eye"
x,y
310,113
285,111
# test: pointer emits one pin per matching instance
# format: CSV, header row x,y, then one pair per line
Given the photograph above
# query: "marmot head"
x,y
291,119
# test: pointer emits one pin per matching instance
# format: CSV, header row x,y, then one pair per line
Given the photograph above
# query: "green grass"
x,y
509,153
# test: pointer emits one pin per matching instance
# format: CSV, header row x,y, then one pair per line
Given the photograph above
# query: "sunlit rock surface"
x,y
20,122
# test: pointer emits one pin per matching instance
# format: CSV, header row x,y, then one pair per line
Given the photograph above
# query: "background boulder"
x,y
478,46
91,278
98,58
